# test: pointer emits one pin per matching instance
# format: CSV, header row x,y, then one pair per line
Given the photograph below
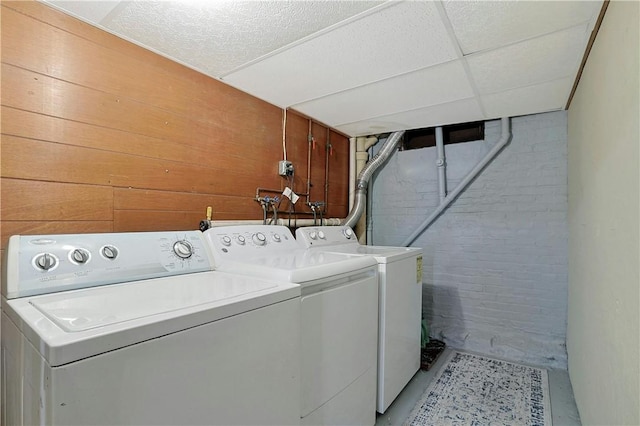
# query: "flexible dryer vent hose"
x,y
360,197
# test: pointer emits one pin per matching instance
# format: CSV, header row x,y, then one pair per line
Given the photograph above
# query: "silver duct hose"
x,y
362,183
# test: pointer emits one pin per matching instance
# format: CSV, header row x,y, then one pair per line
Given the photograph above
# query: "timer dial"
x,y
259,238
183,249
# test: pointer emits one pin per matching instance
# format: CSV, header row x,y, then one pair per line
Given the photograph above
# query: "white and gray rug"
x,y
474,390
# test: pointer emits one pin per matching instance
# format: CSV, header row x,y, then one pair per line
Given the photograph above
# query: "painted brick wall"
x,y
495,262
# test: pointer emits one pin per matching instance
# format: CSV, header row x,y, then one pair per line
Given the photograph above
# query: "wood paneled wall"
x,y
100,135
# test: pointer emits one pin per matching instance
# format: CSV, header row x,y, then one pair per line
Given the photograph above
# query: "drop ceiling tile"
x,y
398,39
429,86
481,25
218,36
549,96
462,111
529,62
90,11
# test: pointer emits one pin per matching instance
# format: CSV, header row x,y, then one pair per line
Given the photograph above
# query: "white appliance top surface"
x,y
272,251
77,324
300,266
341,239
382,254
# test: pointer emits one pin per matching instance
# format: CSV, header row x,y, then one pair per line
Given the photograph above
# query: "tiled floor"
x,y
563,406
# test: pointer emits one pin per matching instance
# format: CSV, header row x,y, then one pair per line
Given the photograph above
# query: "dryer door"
x,y
339,340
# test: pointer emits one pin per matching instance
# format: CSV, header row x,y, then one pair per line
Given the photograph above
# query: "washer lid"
x,y
73,325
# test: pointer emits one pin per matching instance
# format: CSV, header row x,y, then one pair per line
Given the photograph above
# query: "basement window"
x,y
454,133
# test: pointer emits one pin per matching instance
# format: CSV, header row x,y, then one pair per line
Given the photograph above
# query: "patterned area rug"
x,y
474,390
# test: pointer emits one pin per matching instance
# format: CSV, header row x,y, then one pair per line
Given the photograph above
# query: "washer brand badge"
x,y
42,241
419,269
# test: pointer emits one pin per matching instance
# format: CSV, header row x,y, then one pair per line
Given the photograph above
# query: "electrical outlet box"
x,y
285,168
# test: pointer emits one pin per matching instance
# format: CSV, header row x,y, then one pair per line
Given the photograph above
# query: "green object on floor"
x,y
424,339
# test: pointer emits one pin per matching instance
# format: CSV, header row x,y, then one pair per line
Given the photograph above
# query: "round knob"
x,y
313,235
241,239
46,261
109,252
183,249
259,238
226,240
347,233
79,256
276,238
321,235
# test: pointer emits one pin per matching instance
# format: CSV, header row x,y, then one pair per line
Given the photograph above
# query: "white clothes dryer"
x,y
135,328
400,303
339,310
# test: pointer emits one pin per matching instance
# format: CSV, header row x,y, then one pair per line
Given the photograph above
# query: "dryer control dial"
x,y
241,240
321,235
347,233
226,240
259,238
276,238
183,249
313,235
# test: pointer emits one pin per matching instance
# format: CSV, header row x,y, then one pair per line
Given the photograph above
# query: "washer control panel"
x,y
249,240
51,263
318,236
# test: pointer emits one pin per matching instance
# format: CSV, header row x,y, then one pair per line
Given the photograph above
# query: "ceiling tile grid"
x,y
426,87
366,67
388,43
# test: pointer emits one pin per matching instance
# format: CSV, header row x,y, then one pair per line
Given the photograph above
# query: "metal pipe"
x,y
502,142
441,165
295,222
352,170
310,140
326,173
363,178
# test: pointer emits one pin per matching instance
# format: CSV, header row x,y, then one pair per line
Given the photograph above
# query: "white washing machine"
x,y
125,329
400,303
339,311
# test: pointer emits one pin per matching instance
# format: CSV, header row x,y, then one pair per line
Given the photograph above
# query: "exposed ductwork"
x,y
362,183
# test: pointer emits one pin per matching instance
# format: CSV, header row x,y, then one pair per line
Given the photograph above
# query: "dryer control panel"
x,y
38,264
319,236
249,240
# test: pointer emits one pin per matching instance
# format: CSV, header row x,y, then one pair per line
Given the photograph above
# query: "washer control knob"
x,y
45,261
183,249
259,238
109,252
276,238
313,235
321,235
241,240
79,256
226,240
347,233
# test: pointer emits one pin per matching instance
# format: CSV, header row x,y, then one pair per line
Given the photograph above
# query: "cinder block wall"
x,y
495,263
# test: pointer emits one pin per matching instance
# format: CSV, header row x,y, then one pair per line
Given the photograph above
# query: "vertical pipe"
x,y
310,140
441,165
352,171
326,173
